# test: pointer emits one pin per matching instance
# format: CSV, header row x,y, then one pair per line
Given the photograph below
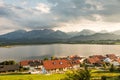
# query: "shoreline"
x,y
12,45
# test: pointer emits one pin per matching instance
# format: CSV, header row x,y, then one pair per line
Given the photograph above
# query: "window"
x,y
54,62
61,63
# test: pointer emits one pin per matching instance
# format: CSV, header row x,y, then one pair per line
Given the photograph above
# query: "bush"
x,y
118,69
119,77
78,75
103,78
112,68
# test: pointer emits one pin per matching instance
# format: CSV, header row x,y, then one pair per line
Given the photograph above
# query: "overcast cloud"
x,y
59,14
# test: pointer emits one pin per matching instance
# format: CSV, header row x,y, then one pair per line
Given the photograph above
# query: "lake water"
x,y
39,51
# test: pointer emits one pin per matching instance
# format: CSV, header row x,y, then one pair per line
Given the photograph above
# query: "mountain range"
x,y
51,36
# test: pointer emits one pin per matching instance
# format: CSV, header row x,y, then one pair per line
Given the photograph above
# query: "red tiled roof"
x,y
93,60
111,56
56,64
118,60
75,57
99,56
74,62
24,63
30,62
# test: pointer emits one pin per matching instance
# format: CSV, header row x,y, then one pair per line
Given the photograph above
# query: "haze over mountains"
x,y
51,36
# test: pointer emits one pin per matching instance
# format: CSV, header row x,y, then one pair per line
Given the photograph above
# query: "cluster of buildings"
x,y
60,65
52,66
99,60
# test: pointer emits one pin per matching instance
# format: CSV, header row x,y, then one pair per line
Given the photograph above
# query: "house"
x,y
52,66
118,60
33,65
93,61
9,68
111,56
75,64
115,63
36,64
107,60
25,63
99,57
75,57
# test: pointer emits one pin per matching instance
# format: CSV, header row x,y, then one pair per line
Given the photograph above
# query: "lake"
x,y
40,51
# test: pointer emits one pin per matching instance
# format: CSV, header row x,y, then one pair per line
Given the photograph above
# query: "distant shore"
x,y
11,45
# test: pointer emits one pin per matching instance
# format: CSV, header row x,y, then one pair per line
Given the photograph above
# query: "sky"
x,y
65,15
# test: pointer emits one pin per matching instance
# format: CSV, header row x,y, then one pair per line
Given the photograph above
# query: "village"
x,y
61,64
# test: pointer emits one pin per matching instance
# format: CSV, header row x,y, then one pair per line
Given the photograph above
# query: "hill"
x,y
46,36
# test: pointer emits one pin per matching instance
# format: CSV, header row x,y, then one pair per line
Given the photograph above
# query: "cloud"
x,y
1,3
57,13
27,17
43,8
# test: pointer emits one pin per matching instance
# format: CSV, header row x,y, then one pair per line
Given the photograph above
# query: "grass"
x,y
95,75
32,77
104,73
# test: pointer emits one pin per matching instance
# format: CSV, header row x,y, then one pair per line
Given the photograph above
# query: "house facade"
x,y
9,68
33,65
52,66
95,60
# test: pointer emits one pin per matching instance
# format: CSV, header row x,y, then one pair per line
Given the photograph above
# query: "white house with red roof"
x,y
52,66
33,65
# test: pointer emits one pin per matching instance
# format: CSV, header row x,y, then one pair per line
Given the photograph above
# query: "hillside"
x,y
51,36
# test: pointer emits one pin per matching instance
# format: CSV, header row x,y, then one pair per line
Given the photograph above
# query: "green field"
x,y
32,77
94,75
99,74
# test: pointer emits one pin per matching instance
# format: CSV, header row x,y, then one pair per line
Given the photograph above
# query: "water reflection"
x,y
36,51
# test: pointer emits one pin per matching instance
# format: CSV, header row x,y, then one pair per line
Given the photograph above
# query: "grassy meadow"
x,y
95,75
32,77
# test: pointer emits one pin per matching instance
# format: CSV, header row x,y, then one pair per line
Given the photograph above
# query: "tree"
x,y
52,58
45,58
112,68
104,65
118,69
5,63
103,78
78,75
11,62
119,77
